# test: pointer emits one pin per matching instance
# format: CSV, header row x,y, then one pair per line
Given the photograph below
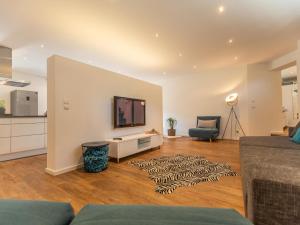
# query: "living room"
x,y
165,112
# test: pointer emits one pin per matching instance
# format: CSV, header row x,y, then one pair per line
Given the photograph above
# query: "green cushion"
x,y
14,212
156,215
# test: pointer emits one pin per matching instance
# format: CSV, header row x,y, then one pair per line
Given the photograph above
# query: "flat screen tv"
x,y
129,112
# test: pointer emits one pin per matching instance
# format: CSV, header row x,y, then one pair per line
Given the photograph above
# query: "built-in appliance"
x,y
129,112
24,103
6,69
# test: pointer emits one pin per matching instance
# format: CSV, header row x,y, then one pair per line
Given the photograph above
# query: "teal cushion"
x,y
13,212
296,137
156,215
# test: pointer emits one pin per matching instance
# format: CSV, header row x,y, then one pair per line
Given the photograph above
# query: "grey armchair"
x,y
203,133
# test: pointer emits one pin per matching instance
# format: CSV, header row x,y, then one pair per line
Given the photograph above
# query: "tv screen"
x,y
129,112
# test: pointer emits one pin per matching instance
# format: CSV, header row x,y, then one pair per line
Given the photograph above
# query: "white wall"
x,y
265,100
290,103
38,83
186,97
89,91
288,60
259,108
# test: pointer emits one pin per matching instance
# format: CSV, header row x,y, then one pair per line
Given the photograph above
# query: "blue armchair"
x,y
204,133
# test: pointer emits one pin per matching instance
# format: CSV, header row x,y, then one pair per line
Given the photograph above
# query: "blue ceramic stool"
x,y
95,156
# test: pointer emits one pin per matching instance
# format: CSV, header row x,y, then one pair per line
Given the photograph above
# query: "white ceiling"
x,y
121,35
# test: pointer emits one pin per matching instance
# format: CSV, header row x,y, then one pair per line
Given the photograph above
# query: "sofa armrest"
x,y
290,130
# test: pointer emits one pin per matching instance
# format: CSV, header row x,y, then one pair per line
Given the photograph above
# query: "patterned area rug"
x,y
170,172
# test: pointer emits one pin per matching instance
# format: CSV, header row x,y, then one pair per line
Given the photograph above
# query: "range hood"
x,y
6,69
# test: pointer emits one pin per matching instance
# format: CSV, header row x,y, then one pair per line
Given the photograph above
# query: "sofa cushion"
x,y
203,130
269,141
207,123
204,133
156,215
15,212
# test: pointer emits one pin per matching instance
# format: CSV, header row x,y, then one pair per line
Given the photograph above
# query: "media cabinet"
x,y
133,144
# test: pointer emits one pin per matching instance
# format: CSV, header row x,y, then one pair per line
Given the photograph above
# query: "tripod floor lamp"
x,y
232,100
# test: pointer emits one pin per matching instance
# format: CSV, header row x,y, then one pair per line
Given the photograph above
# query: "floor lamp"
x,y
232,100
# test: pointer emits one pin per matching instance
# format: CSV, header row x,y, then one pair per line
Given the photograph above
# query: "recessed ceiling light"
x,y
221,9
230,41
156,35
179,54
236,58
42,46
164,73
194,67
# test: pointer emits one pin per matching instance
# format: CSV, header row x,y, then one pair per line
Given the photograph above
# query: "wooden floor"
x,y
124,184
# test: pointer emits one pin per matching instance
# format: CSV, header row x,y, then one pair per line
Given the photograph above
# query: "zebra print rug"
x,y
171,172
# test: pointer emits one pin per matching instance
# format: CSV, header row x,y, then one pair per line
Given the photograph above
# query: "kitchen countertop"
x,y
11,116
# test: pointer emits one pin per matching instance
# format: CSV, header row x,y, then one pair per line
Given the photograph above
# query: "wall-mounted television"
x,y
129,112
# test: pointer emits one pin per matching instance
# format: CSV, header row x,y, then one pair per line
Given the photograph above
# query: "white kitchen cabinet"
x,y
46,140
5,130
4,145
22,129
5,121
23,136
46,128
28,120
25,143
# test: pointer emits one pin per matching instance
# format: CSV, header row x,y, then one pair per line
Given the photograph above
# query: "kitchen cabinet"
x,y
5,130
22,136
27,129
25,143
4,145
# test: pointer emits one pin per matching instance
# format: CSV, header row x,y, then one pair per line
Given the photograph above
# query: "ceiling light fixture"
x,y
236,58
194,67
156,35
221,9
42,46
180,54
230,41
164,73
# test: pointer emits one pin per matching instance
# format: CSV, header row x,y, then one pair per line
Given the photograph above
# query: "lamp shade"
x,y
232,99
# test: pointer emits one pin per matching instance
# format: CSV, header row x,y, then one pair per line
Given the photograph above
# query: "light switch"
x,y
66,104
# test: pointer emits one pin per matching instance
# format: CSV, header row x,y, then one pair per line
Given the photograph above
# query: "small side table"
x,y
95,156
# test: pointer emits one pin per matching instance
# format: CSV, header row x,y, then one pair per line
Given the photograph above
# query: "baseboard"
x,y
63,170
24,154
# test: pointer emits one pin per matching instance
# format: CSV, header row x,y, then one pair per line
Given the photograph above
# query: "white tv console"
x,y
133,144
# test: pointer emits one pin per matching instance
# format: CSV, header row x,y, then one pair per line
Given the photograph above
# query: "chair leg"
x,y
210,140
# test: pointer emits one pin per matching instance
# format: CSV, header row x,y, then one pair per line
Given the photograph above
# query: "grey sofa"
x,y
270,168
202,133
